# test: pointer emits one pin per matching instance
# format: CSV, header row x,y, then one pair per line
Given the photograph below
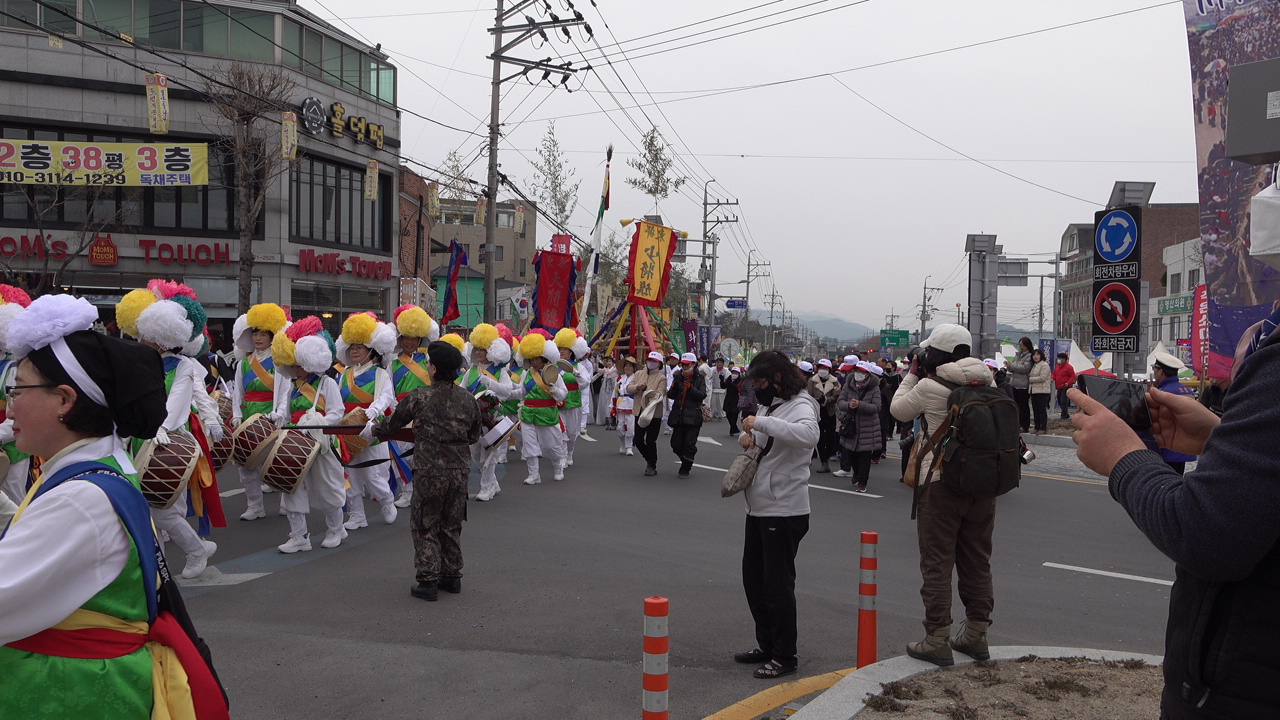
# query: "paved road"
x,y
549,621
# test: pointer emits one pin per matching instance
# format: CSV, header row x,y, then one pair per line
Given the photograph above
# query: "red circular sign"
x,y
1115,308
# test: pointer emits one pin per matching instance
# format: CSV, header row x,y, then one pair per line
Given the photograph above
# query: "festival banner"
x,y
554,304
650,263
519,224
158,103
289,135
38,162
1200,328
433,199
1240,289
481,204
371,180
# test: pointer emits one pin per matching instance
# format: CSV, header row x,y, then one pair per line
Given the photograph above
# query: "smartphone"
x,y
1122,397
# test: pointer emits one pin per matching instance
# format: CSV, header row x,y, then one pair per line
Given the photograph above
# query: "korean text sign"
x,y
650,264
35,162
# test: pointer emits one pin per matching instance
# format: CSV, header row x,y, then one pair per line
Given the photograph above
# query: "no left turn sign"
x,y
1115,308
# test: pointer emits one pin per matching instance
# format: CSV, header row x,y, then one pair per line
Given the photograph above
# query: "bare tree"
x,y
93,203
552,180
453,186
246,101
654,165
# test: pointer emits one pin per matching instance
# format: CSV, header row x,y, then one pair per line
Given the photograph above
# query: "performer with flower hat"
x,y
487,379
409,372
12,302
83,629
254,387
306,395
362,348
541,390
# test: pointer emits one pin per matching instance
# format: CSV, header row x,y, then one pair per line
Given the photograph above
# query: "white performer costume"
x,y
588,373
490,378
624,409
372,479
608,392
271,318
545,439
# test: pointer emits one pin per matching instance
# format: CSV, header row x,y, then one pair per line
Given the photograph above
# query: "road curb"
x,y
846,699
1057,441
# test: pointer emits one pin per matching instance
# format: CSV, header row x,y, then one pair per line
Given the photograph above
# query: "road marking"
x,y
1102,481
588,438
1108,573
213,577
842,490
778,695
230,493
709,440
706,467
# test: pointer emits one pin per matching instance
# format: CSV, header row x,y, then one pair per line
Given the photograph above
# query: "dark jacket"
x,y
731,386
866,418
687,393
1218,524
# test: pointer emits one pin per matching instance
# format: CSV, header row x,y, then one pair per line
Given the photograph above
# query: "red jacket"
x,y
1064,376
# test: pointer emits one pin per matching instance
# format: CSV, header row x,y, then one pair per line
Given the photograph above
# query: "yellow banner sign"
x,y
289,135
158,103
36,162
371,180
651,249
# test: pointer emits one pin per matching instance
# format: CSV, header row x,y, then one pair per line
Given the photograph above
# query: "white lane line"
x,y
212,577
1107,573
229,493
588,438
842,490
705,467
709,440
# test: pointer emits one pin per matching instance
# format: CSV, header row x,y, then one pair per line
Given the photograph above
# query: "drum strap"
x,y
416,368
360,394
309,391
264,376
537,379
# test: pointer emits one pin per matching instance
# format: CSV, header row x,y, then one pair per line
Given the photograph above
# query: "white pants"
x,y
587,415
487,460
15,481
252,480
173,520
372,481
541,440
572,420
717,403
298,522
626,428
321,488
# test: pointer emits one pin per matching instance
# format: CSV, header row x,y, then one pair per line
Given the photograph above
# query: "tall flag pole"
x,y
457,259
593,265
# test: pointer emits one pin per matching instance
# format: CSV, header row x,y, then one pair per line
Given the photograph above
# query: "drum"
x,y
290,457
251,442
163,470
354,443
224,405
220,452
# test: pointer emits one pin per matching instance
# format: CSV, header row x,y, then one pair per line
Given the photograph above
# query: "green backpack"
x,y
979,450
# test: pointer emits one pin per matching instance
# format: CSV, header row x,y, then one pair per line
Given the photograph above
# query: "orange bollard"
x,y
867,600
656,645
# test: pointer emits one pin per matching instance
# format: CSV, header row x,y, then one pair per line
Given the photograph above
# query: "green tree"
x,y
654,165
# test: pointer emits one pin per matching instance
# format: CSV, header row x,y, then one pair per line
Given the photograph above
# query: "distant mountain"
x,y
824,325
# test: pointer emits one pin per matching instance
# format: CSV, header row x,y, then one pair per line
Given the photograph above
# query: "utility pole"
x,y
707,226
890,320
926,305
523,31
774,298
1040,327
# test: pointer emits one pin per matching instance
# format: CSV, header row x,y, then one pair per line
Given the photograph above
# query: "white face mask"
x,y
653,364
824,373
859,377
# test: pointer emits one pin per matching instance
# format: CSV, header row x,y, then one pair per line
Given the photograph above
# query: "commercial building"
x,y
515,245
1170,315
321,246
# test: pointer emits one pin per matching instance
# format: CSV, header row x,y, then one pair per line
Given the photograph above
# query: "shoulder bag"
x,y
742,472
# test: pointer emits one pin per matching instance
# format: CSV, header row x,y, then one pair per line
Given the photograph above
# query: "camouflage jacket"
x,y
446,422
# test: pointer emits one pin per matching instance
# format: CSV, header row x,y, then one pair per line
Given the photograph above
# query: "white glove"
x,y
367,432
487,381
216,432
274,419
236,420
162,437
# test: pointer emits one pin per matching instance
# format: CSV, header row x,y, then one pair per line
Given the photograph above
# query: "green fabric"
x,y
409,382
537,416
510,407
252,408
41,686
574,398
299,403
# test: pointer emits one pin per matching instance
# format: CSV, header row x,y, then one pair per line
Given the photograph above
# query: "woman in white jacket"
x,y
786,428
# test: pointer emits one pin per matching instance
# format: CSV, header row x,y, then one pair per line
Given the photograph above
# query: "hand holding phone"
x,y
1126,399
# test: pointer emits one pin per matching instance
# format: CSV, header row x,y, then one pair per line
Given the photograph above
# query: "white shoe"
x,y
296,544
532,480
355,522
389,513
485,497
253,514
584,434
622,449
842,473
333,539
630,452
559,473
197,563
569,462
404,500
267,488
281,511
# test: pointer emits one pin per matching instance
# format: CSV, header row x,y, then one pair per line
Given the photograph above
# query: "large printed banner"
x,y
650,265
37,162
553,295
1222,33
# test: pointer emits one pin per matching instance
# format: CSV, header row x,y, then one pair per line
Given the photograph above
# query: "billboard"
x,y
39,162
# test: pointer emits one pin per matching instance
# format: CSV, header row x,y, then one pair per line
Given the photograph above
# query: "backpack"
x,y
979,449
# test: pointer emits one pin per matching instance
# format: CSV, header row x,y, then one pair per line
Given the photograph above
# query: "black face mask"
x,y
766,394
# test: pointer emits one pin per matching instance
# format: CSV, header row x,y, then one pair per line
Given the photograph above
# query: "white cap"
x,y
655,355
947,336
849,362
676,355
687,357
992,364
875,369
824,363
735,369
1169,361
805,365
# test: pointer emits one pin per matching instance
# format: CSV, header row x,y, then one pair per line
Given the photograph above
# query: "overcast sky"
x,y
852,207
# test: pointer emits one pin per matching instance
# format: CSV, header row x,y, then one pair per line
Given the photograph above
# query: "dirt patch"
x,y
1058,426
1028,688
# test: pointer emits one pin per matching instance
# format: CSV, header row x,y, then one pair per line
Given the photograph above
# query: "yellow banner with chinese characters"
x,y
371,180
35,162
289,135
650,267
158,103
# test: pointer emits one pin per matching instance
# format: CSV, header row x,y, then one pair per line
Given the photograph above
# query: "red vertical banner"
x,y
1200,328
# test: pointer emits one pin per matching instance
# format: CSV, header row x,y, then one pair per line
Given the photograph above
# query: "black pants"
x,y
647,441
1063,402
1040,406
769,579
684,442
858,462
1021,398
828,441
731,414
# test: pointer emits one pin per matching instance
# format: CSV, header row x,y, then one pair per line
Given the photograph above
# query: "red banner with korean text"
x,y
1200,328
650,264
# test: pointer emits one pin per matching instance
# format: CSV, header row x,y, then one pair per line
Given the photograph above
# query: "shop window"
x,y
1175,283
329,206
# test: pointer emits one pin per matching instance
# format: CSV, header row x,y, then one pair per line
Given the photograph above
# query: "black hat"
x,y
445,357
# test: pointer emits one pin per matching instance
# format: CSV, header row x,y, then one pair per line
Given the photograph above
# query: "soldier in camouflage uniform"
x,y
446,421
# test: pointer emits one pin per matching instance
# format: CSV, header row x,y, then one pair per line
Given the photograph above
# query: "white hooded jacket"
x,y
928,397
781,487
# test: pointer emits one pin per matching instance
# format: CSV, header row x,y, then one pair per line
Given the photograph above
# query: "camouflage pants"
x,y
435,518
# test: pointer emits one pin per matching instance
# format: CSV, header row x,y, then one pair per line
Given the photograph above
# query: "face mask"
x,y
824,373
652,364
687,370
766,395
859,377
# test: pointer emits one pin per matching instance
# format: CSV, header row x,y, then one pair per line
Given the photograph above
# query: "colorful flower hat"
x,y
165,313
305,343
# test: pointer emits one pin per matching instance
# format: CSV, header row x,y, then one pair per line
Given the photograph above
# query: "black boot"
x,y
425,591
450,585
685,467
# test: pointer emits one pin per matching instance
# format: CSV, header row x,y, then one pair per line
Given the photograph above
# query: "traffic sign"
x,y
1115,307
895,338
736,304
1116,236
